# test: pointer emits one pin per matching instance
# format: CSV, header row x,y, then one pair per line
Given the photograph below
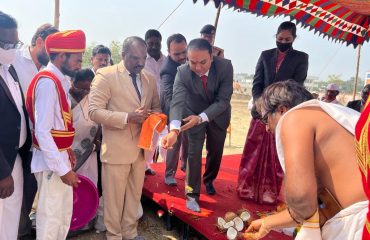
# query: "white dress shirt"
x,y
176,124
15,90
48,116
25,67
154,67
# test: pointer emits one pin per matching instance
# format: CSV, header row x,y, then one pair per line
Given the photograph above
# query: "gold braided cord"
x,y
362,149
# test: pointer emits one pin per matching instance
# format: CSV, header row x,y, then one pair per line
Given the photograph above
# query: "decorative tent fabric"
x,y
346,21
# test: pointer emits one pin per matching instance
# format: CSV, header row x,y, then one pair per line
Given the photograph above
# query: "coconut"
x,y
231,233
238,224
220,224
229,216
246,217
229,224
240,211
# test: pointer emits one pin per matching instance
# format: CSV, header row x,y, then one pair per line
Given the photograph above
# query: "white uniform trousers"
x,y
10,208
54,210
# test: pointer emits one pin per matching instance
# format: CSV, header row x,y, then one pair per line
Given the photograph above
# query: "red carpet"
x,y
172,199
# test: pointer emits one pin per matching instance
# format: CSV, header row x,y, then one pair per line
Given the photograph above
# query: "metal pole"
x,y
56,14
357,70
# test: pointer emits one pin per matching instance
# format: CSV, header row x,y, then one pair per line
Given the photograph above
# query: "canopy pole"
x,y
56,14
218,15
357,71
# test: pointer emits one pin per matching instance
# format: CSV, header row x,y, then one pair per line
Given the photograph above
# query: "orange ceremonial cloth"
x,y
63,138
363,157
156,122
70,41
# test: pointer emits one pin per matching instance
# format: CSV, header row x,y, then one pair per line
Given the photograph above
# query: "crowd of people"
x,y
88,122
62,121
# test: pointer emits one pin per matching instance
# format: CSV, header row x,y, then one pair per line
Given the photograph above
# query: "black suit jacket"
x,y
355,105
10,124
189,97
168,74
294,66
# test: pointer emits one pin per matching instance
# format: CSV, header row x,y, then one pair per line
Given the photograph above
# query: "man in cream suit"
x,y
121,98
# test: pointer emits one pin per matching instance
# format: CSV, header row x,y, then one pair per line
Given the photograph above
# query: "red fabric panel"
x,y
226,199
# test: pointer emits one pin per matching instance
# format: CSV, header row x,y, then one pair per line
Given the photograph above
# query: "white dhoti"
x,y
10,208
348,224
54,211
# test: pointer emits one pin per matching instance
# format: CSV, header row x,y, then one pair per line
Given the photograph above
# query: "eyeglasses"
x,y
8,46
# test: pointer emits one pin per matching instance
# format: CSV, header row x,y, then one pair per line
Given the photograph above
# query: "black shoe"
x,y
150,172
210,189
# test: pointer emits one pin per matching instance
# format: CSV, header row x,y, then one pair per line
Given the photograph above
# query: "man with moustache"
x,y
359,105
15,141
50,112
208,32
121,98
101,56
176,45
32,58
154,62
201,98
332,91
29,60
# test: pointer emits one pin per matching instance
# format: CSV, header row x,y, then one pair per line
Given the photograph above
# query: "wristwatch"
x,y
200,120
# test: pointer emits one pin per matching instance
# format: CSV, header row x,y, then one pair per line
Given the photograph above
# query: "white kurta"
x,y
154,67
25,67
48,116
349,222
54,211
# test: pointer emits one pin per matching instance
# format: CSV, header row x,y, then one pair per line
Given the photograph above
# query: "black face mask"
x,y
284,46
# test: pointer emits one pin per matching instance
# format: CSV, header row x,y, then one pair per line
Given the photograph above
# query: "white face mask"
x,y
7,56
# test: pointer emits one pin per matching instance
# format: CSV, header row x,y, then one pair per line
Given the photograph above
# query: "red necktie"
x,y
204,82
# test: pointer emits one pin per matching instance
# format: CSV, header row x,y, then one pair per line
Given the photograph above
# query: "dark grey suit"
x,y
294,66
355,105
168,74
189,98
10,132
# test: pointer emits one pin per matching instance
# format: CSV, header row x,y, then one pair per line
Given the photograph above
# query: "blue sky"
x,y
242,35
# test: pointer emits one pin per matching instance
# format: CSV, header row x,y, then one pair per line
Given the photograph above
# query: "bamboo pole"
x,y
56,14
357,71
218,15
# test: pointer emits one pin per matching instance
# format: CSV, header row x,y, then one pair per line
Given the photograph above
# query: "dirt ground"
x,y
154,228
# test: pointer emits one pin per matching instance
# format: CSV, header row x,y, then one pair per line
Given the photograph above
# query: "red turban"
x,y
71,41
